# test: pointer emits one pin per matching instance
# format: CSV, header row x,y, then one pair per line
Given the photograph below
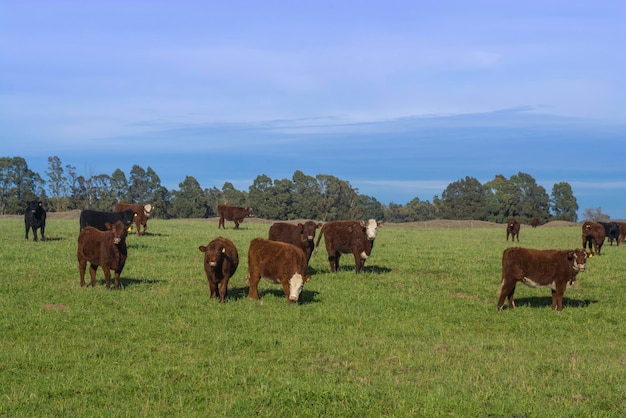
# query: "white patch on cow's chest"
x,y
364,255
531,283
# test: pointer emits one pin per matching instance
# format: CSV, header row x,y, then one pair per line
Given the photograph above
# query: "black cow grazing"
x,y
301,235
349,237
35,218
593,234
512,228
99,219
233,213
612,232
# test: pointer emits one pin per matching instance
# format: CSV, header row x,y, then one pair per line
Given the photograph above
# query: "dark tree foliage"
x,y
563,204
464,199
189,201
371,208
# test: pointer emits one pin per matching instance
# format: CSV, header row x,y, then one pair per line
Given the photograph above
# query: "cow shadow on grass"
x,y
237,293
128,282
543,301
366,269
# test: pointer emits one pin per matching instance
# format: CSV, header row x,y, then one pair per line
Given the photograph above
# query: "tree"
x,y
563,204
189,201
120,187
464,199
507,198
233,196
258,194
534,201
306,196
57,184
595,215
339,199
370,208
418,211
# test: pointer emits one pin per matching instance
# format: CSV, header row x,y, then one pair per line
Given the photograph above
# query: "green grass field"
x,y
416,335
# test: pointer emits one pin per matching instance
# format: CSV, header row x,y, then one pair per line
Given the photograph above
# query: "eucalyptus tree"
x,y
563,204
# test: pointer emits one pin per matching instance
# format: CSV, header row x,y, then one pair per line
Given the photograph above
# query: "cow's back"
x,y
276,260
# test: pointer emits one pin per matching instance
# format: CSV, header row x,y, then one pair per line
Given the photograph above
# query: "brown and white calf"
x,y
142,213
220,263
554,269
278,262
102,248
301,235
349,237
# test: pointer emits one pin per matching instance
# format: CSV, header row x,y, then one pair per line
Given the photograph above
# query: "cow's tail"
x,y
319,238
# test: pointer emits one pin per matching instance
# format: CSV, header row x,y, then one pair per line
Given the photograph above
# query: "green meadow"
x,y
416,335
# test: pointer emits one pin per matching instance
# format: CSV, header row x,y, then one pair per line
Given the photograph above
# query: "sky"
x,y
399,98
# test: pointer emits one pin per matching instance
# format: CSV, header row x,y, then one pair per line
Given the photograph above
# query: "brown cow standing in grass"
x,y
349,237
278,262
142,213
102,248
512,228
233,213
555,269
220,263
301,235
534,222
593,234
622,232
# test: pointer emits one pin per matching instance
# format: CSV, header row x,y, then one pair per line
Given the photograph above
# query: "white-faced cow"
x,y
512,228
278,262
593,234
349,237
233,213
35,218
220,263
301,235
555,269
98,219
102,248
142,213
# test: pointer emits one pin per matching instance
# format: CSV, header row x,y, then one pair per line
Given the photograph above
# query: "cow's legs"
x,y
557,296
116,284
43,237
333,260
92,273
35,234
236,224
507,290
223,290
213,289
81,270
253,285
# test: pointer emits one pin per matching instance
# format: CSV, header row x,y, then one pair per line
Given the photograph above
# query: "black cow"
x,y
611,230
35,218
99,219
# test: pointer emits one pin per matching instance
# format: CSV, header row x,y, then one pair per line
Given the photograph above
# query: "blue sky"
x,y
399,98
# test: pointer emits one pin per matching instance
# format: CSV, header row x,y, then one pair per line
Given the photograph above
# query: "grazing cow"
x,y
278,262
622,231
142,213
355,237
220,263
102,248
99,219
534,222
233,213
35,218
593,234
611,231
555,269
512,228
301,235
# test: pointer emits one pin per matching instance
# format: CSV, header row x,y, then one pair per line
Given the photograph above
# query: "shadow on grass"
x,y
543,301
127,282
366,269
237,293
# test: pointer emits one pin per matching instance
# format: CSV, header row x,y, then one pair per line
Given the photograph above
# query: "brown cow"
x,y
278,262
512,228
142,213
622,232
555,269
534,222
102,248
301,235
233,213
593,234
220,263
355,237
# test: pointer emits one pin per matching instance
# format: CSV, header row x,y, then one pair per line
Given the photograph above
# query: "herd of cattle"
x,y
283,257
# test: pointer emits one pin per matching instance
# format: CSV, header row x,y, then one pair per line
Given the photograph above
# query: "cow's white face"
x,y
147,208
296,283
371,229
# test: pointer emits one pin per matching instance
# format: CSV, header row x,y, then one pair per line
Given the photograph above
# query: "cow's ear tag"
x,y
590,255
223,250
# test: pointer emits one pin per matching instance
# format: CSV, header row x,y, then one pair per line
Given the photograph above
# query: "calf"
x,y
233,213
301,235
512,228
534,222
35,218
611,231
102,248
220,263
593,234
99,219
142,213
622,231
347,237
555,269
278,262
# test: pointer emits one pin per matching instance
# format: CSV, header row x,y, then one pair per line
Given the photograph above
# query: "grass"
x,y
417,334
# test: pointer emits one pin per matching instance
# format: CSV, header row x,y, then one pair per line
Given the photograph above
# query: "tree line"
x,y
322,197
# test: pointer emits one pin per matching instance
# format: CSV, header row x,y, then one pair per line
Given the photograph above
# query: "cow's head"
x,y
307,230
213,252
371,228
249,211
147,209
579,258
296,283
119,231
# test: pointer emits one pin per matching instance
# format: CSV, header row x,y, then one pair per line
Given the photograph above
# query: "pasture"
x,y
417,334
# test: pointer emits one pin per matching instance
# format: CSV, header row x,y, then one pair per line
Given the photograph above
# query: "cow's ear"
x,y
108,226
380,223
319,225
362,223
202,248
